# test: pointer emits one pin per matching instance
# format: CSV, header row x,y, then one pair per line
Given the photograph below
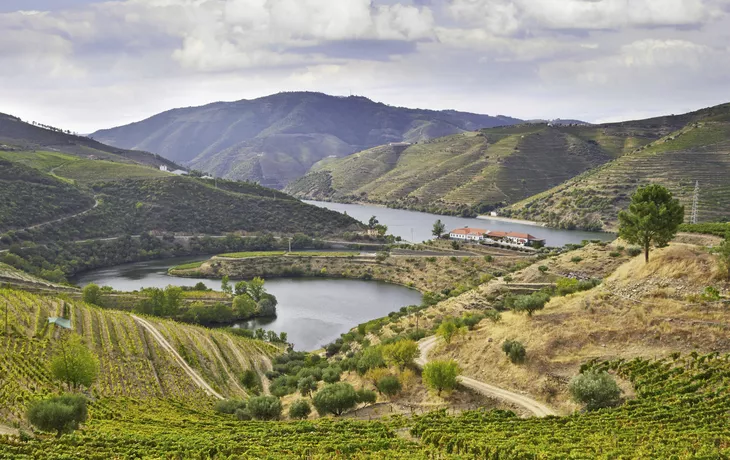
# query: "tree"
x,y
331,374
389,386
267,306
371,358
226,285
441,375
447,330
244,306
74,363
229,406
531,303
652,218
595,390
723,251
256,289
515,351
251,381
61,414
307,386
92,294
438,229
335,398
265,407
373,222
300,409
401,353
365,396
241,288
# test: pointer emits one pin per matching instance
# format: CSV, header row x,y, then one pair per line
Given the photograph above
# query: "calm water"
x,y
416,226
313,312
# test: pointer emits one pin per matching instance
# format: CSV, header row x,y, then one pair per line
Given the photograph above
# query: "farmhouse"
x,y
468,234
521,239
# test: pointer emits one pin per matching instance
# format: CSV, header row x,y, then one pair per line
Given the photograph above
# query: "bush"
x,y
335,398
389,385
567,286
61,414
595,389
401,353
576,259
331,375
243,414
515,351
265,407
307,385
614,254
530,303
634,251
229,406
251,380
365,396
543,268
300,409
441,375
92,294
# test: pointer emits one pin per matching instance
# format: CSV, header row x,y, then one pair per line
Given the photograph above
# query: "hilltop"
x,y
276,139
568,175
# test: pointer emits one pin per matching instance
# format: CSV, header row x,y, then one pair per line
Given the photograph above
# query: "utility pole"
x,y
695,202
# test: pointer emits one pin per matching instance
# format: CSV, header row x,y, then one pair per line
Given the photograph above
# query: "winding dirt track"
x,y
536,407
197,379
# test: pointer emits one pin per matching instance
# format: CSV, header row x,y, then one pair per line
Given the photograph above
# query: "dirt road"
x,y
536,407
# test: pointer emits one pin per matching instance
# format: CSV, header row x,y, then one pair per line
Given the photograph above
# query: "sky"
x,y
90,64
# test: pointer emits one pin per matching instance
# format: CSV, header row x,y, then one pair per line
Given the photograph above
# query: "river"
x,y
416,226
312,311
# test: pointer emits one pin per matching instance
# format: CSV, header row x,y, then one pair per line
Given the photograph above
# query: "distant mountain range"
x,y
276,139
568,174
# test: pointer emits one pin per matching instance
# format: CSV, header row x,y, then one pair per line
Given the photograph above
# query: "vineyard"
x,y
132,363
681,411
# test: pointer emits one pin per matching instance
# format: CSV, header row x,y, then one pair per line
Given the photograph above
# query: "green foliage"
x,y
371,358
335,398
92,294
158,302
226,285
61,414
595,389
74,363
438,228
244,306
365,396
530,303
708,228
251,381
400,353
331,374
264,407
634,251
389,385
653,218
543,268
300,409
229,406
307,386
448,330
441,375
515,351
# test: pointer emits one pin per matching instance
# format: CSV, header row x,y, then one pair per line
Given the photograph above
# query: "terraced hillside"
x,y
475,172
699,152
464,173
133,362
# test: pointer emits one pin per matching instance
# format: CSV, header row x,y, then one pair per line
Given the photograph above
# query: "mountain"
x,y
568,175
276,139
686,150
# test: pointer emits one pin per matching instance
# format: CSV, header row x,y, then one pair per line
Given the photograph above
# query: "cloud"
x,y
117,61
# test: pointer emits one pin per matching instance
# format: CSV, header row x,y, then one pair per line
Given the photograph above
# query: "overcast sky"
x,y
90,64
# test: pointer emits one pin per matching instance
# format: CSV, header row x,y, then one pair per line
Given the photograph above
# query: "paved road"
x,y
197,379
536,407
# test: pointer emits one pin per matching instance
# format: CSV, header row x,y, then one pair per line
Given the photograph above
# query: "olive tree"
x,y
653,218
595,389
335,398
441,375
61,414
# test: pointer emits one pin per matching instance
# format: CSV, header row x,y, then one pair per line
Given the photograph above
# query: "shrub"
x,y
229,406
515,351
493,315
251,380
543,268
92,294
307,385
61,414
488,258
243,414
265,407
371,358
634,251
441,375
566,286
389,385
447,330
365,396
576,259
595,389
300,409
335,398
331,374
614,254
401,353
530,303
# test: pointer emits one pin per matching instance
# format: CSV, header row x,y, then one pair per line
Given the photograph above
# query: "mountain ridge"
x,y
277,138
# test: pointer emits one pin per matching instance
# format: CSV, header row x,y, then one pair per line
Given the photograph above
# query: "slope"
x,y
698,151
17,135
463,173
277,138
133,363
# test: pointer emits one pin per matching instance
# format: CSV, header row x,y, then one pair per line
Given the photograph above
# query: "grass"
x,y
188,266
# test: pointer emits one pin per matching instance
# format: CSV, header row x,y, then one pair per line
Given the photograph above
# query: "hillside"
x,y
17,135
696,151
134,362
585,171
276,139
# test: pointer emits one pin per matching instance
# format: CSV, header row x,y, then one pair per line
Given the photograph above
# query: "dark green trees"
x,y
61,414
652,218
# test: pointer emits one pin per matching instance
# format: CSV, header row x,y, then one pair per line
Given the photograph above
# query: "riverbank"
x,y
511,220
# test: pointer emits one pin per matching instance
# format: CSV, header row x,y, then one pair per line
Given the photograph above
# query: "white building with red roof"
x,y
468,234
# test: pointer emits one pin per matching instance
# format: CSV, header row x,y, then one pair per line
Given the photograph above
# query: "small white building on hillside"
x,y
163,168
468,234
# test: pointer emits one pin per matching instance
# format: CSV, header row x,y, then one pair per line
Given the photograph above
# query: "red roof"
x,y
469,231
